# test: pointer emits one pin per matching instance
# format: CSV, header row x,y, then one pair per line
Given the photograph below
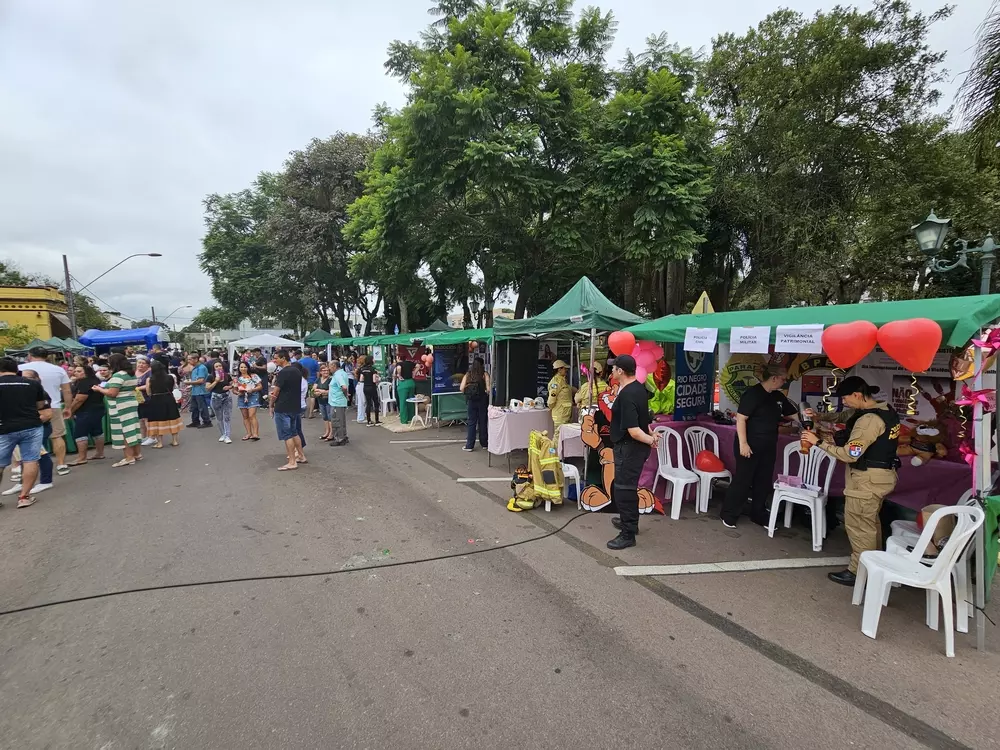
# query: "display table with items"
x,y
939,481
510,430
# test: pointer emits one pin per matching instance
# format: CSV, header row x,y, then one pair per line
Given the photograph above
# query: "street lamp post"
x,y
69,286
182,307
931,233
474,305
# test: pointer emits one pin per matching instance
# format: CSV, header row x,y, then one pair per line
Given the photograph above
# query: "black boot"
x,y
623,540
617,523
844,578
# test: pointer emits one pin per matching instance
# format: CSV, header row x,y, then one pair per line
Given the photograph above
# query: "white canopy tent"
x,y
262,341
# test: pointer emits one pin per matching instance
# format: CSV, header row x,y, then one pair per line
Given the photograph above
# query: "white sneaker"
x,y
222,439
15,475
227,441
41,487
149,441
12,491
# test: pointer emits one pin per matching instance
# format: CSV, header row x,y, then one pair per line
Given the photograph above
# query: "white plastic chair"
x,y
387,397
810,471
877,571
699,439
905,536
571,473
679,477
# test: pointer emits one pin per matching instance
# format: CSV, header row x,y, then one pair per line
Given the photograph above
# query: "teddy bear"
x,y
924,442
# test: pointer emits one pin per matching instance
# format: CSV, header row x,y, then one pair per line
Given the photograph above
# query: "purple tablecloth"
x,y
938,482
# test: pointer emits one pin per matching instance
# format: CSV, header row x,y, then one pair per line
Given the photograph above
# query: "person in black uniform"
x,y
761,409
872,436
632,442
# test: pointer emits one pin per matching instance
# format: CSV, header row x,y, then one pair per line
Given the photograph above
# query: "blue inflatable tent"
x,y
101,340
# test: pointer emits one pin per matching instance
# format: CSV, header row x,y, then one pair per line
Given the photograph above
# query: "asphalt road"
x,y
533,645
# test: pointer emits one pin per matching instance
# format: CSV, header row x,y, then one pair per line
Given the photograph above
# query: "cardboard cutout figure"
x,y
598,437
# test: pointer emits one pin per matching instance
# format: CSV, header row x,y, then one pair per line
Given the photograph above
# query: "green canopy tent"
x,y
459,336
35,344
960,318
73,346
583,310
319,337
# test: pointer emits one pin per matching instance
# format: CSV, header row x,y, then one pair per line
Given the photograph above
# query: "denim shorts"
x,y
287,425
324,409
29,440
88,424
250,401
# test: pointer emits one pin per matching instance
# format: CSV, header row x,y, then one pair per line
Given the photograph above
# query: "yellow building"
x,y
41,308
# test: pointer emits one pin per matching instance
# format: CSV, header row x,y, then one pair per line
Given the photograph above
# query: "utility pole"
x,y
69,299
153,312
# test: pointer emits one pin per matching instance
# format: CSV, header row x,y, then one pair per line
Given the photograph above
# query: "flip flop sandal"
x,y
246,437
97,458
301,461
62,470
287,468
79,463
255,439
123,462
24,502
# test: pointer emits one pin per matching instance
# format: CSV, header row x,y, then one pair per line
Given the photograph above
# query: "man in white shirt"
x,y
55,381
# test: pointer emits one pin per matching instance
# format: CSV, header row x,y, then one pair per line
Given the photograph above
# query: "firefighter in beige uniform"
x,y
870,455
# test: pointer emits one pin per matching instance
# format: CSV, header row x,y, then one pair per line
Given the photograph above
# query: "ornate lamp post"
x,y
930,234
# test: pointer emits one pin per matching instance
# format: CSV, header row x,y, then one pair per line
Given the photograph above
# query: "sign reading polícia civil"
x,y
694,381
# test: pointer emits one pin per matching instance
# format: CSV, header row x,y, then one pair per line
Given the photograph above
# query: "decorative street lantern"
x,y
931,233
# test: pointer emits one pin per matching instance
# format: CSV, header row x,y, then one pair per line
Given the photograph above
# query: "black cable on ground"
x,y
279,576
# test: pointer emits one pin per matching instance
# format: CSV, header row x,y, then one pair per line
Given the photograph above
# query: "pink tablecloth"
x,y
937,482
570,442
510,430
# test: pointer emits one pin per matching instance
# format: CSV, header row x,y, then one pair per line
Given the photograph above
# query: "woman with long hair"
x,y
123,409
322,391
248,388
87,410
368,377
220,386
476,387
142,372
162,415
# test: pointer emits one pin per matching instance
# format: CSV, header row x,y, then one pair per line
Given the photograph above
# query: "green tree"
x,y
215,318
305,228
980,92
821,121
16,336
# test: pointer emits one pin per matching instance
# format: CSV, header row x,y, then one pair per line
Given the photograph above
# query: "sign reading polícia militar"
x,y
694,383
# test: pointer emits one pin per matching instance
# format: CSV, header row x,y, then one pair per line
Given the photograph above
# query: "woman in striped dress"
x,y
123,409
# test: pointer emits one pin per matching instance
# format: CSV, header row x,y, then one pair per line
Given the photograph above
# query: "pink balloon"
x,y
430,360
658,352
641,374
646,345
646,360
635,351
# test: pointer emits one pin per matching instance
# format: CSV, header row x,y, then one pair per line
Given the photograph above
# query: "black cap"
x,y
855,384
626,362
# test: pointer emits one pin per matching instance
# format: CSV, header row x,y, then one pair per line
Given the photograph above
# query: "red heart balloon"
x,y
912,343
708,461
846,344
621,342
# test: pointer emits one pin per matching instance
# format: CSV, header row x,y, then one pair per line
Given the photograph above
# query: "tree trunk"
x,y
523,295
466,314
404,315
674,288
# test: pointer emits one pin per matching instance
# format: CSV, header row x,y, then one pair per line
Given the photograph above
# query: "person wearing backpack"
x,y
476,387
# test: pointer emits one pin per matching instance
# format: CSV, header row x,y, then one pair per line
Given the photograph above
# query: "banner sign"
x,y
444,369
754,340
700,339
694,380
737,372
804,339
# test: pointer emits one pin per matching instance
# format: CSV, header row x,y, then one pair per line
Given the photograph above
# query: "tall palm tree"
x,y
980,93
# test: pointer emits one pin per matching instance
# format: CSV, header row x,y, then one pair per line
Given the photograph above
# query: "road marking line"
x,y
402,442
730,567
483,479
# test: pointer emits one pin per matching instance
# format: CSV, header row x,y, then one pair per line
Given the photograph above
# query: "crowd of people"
x,y
135,400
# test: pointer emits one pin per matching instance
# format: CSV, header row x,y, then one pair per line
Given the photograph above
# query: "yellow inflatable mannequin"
x,y
560,396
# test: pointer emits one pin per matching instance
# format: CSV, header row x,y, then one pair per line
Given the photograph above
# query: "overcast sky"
x,y
117,117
